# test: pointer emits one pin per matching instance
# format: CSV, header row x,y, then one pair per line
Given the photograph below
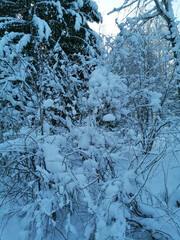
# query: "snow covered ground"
x,y
154,181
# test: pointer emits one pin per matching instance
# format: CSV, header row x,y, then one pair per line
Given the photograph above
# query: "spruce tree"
x,y
52,43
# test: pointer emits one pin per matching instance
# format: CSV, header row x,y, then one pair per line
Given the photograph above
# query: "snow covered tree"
x,y
47,52
51,33
81,151
148,62
147,70
147,10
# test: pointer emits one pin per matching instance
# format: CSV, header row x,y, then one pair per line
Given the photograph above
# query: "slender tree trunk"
x,y
167,13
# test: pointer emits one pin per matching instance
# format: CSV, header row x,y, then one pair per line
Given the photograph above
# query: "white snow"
x,y
109,118
52,157
48,103
44,30
80,3
23,42
155,100
78,22
84,141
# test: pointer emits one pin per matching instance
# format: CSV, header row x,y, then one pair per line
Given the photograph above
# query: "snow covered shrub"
x,y
153,205
146,69
44,69
107,97
111,222
83,157
47,181
67,178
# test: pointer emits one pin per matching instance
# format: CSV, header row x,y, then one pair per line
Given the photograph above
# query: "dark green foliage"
x,y
45,45
67,21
